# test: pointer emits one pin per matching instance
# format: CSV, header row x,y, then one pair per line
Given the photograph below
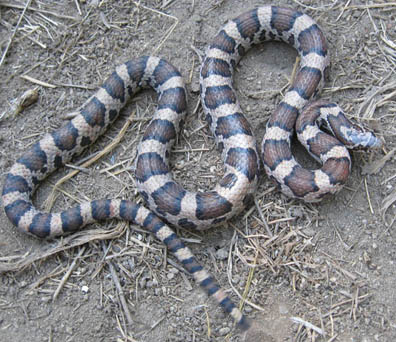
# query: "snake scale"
x,y
167,201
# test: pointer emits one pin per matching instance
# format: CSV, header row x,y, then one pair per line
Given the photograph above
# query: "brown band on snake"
x,y
95,115
232,132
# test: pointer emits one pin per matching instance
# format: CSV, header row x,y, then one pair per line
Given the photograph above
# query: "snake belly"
x,y
168,202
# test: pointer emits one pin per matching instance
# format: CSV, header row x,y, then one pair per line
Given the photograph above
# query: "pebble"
x,y
236,279
69,330
84,289
222,254
172,272
248,309
46,299
224,331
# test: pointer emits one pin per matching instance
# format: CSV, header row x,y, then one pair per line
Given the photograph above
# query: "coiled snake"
x,y
167,200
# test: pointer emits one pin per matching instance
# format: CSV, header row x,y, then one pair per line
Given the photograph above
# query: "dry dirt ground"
x,y
322,272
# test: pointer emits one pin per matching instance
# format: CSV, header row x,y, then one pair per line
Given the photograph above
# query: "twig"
x,y
68,273
36,81
120,293
15,31
171,29
78,7
229,274
77,239
389,4
368,196
264,221
34,9
308,325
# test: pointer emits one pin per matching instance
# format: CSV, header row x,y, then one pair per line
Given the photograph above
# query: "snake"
x,y
165,202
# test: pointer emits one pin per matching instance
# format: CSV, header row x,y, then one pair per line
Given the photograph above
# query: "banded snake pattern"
x,y
167,201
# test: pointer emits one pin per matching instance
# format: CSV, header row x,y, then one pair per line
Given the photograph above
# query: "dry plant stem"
x,y
120,292
347,301
14,33
366,103
124,335
376,166
333,338
368,196
248,282
209,331
153,326
308,325
171,29
78,7
33,9
54,273
263,220
36,81
389,4
51,198
68,242
229,274
68,273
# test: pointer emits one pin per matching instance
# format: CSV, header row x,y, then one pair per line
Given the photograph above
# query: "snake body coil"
x,y
167,200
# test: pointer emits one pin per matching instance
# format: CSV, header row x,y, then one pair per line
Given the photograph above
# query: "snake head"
x,y
362,140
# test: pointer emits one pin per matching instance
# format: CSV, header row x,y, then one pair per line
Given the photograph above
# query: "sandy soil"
x,y
327,272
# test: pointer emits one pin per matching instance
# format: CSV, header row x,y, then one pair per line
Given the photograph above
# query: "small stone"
x,y
224,331
69,330
46,299
84,289
235,279
222,254
174,270
247,309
